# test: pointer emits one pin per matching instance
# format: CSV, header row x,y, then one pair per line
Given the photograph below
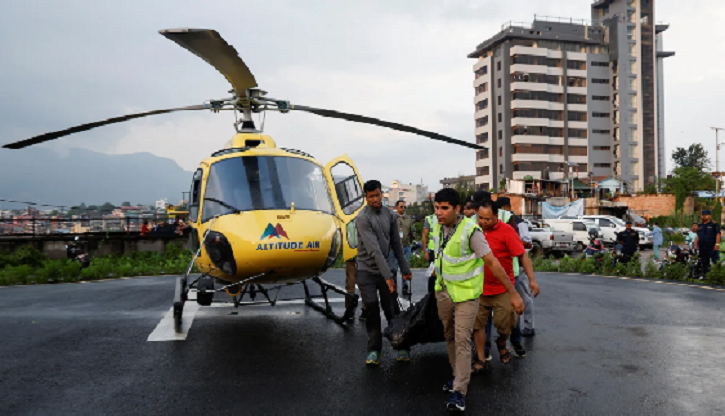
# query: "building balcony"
x,y
545,105
483,129
483,179
480,80
578,125
482,113
576,90
579,159
537,157
534,139
542,122
520,175
577,107
537,69
529,50
579,73
481,63
483,162
537,86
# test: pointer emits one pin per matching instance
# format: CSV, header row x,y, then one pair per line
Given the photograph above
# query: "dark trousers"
x,y
708,255
371,286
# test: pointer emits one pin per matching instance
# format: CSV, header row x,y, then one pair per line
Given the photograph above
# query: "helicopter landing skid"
x,y
326,310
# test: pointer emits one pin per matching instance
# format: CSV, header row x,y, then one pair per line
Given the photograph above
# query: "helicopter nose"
x,y
220,252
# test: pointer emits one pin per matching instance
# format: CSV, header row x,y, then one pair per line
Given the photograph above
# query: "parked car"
x,y
547,241
611,226
582,230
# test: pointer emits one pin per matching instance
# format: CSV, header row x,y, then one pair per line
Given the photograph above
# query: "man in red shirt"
x,y
505,245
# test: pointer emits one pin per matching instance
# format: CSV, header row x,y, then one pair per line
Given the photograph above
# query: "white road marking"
x,y
165,330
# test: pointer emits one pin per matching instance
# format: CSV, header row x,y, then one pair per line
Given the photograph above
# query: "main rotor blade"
x,y
84,127
210,46
395,126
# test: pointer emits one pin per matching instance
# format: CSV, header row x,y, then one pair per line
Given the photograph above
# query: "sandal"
x,y
503,352
479,367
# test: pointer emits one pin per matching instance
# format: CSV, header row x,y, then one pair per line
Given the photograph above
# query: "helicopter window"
x,y
351,234
348,188
195,192
252,183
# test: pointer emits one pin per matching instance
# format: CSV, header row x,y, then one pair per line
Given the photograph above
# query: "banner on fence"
x,y
550,212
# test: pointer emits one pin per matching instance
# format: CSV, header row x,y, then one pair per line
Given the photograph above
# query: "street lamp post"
x,y
717,163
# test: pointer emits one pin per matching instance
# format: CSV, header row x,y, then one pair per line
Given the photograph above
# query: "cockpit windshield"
x,y
265,183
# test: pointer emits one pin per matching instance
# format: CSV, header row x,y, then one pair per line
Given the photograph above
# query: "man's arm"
x,y
479,246
500,274
397,246
370,241
525,236
529,270
424,243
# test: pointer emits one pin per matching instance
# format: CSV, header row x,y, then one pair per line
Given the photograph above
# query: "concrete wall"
x,y
656,205
54,246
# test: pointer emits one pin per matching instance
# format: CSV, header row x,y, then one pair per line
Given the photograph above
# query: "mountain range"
x,y
78,176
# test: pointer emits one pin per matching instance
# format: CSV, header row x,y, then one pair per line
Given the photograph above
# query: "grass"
x,y
28,265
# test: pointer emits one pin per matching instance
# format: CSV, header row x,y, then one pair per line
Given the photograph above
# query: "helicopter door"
x,y
348,198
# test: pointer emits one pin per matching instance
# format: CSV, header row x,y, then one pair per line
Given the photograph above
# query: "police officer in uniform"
x,y
708,240
629,239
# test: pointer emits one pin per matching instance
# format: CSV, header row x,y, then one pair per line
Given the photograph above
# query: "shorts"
x,y
504,317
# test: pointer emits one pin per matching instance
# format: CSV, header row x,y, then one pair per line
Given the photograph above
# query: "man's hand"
x,y
517,303
426,257
716,247
534,288
391,285
408,276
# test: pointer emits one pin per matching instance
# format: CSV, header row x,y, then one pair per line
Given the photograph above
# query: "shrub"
x,y
675,271
652,270
634,267
15,275
568,265
589,266
716,275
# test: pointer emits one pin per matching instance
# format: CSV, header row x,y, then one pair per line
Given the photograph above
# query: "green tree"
x,y
684,181
125,203
694,156
465,189
107,207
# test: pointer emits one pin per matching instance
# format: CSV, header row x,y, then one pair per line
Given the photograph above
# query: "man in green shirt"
x,y
405,228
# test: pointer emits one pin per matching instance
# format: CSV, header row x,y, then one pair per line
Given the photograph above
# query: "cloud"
x,y
397,60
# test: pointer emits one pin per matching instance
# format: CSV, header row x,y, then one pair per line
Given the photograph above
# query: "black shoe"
x,y
362,315
519,349
528,332
448,387
457,402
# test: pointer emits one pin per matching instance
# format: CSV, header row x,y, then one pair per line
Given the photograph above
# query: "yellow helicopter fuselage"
x,y
271,213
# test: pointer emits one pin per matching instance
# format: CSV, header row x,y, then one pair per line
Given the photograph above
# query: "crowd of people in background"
x,y
480,275
179,227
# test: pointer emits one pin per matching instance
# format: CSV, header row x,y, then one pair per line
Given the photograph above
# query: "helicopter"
x,y
261,214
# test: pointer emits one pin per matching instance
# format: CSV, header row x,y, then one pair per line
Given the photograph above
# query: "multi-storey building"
x,y
562,97
409,193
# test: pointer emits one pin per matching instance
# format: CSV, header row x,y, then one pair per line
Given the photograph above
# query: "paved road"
x,y
604,346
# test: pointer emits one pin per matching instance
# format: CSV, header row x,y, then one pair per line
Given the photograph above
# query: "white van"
x,y
580,229
611,226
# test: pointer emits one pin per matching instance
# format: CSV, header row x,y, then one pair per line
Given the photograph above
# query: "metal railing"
x,y
43,225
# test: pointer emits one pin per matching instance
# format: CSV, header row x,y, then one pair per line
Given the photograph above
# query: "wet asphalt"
x,y
603,346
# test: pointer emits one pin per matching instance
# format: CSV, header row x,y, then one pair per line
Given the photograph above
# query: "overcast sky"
x,y
71,62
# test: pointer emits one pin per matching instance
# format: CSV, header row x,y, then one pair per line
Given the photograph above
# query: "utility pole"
x,y
717,163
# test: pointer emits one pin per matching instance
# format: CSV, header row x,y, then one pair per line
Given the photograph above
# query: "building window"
x,y
578,133
602,165
600,115
482,138
500,152
482,71
500,134
482,105
538,149
598,63
602,148
576,99
538,131
500,169
499,117
482,171
577,116
600,97
483,121
482,88
601,131
498,81
482,154
538,113
577,151
600,81
535,60
581,65
538,78
576,82
537,96
498,65
499,100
